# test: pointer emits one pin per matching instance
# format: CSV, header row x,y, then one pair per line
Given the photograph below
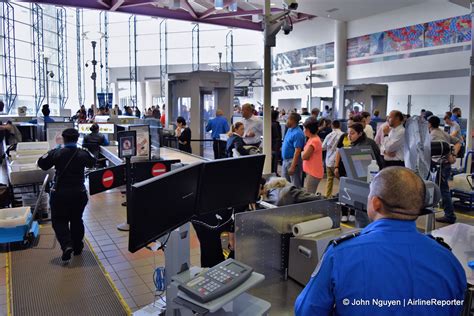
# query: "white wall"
x,y
305,34
433,94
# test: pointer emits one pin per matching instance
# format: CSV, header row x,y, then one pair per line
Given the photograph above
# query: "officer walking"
x,y
68,195
218,126
390,268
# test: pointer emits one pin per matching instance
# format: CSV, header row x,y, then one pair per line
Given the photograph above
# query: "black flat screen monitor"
x,y
229,182
356,161
162,204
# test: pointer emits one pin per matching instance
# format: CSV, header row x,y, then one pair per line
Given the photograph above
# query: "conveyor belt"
x,y
42,285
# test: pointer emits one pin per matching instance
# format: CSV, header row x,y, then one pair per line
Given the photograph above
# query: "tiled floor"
x,y
131,273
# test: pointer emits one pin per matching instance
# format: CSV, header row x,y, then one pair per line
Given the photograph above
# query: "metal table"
x,y
461,239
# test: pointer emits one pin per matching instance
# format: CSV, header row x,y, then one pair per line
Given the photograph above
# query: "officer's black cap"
x,y
70,133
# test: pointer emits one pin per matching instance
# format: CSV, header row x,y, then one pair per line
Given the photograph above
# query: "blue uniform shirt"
x,y
455,118
217,125
389,263
294,138
46,119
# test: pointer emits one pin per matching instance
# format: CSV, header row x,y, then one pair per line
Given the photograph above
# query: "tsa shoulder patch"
x,y
344,238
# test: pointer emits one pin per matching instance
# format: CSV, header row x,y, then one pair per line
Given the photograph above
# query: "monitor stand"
x,y
177,253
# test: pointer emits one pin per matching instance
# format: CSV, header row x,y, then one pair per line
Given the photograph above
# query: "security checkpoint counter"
x,y
165,153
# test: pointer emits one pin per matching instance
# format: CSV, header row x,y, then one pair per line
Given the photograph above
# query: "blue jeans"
x,y
445,192
297,178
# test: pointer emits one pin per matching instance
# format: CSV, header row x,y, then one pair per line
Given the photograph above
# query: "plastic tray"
x,y
12,217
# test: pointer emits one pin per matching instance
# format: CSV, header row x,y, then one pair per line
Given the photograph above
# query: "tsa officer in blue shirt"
x,y
46,118
218,126
390,268
293,144
456,115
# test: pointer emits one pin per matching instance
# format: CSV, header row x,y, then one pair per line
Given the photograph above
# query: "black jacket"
x,y
95,138
237,142
72,177
93,141
185,137
276,136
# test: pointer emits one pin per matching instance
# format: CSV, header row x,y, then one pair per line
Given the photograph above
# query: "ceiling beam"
x,y
103,3
135,3
115,4
211,11
186,6
240,13
185,16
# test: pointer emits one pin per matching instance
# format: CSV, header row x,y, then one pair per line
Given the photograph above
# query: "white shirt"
x,y
395,142
255,125
330,145
369,131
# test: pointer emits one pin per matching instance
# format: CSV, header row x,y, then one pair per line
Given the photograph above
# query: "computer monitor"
x,y
162,204
229,182
356,161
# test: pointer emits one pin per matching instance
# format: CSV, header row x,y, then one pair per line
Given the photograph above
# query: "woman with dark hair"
x,y
236,141
312,156
357,137
183,133
324,128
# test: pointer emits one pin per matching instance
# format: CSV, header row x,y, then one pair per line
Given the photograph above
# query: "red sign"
x,y
108,179
158,169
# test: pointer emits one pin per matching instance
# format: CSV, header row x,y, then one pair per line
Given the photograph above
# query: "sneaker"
x,y
344,219
352,218
123,227
446,220
67,254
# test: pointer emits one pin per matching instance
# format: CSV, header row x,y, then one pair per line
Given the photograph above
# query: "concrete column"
x,y
149,94
340,65
116,93
195,112
267,99
142,104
